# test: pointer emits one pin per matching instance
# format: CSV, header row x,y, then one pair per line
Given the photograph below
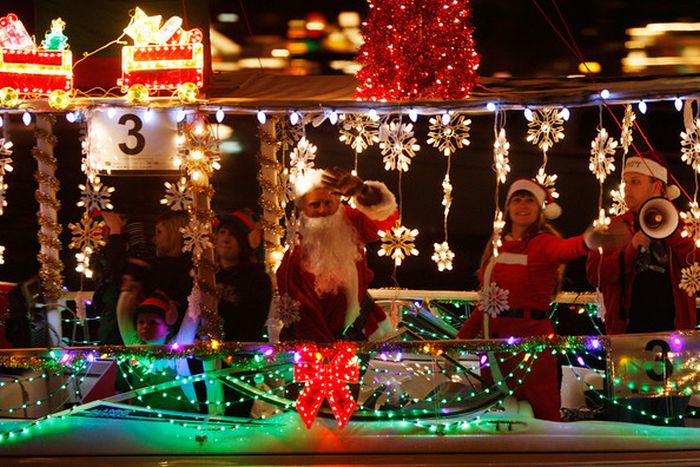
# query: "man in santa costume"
x,y
325,274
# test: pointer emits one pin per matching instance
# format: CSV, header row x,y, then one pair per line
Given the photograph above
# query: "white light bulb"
x,y
604,94
565,114
219,115
491,107
678,103
373,115
262,118
294,118
642,107
413,115
180,116
528,114
70,116
445,118
147,116
27,118
111,112
333,117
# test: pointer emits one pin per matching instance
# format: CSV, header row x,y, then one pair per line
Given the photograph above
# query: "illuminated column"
x,y
269,198
49,229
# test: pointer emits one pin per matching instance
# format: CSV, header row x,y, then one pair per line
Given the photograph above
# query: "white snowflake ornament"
x,y
285,309
627,127
397,243
690,146
196,237
547,181
690,279
177,196
601,162
398,145
546,128
619,205
450,136
359,131
443,256
691,220
493,300
301,158
288,135
87,234
95,196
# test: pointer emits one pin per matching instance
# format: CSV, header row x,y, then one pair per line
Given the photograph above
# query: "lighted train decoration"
x,y
46,70
163,58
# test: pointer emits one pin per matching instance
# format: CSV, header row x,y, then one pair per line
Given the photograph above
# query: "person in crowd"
x,y
326,273
640,279
172,269
245,289
528,267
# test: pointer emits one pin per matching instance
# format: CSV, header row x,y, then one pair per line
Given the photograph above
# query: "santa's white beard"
x,y
330,250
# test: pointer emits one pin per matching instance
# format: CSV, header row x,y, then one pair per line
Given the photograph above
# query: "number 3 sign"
x,y
134,140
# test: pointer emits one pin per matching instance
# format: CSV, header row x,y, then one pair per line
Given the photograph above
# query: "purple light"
x,y
580,361
676,343
268,352
593,344
383,356
398,357
297,357
484,359
65,358
175,347
88,302
511,340
90,357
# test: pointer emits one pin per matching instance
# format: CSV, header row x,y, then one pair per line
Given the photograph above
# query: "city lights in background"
x,y
663,48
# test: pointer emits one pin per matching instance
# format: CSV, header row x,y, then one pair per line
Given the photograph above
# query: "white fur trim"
x,y
384,327
673,192
529,186
646,166
381,210
552,211
311,180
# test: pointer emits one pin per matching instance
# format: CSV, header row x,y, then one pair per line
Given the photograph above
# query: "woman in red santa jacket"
x,y
527,268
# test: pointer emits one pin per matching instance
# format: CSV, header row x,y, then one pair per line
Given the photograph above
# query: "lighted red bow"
x,y
326,380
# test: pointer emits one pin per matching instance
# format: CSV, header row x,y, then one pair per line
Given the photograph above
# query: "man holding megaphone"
x,y
640,279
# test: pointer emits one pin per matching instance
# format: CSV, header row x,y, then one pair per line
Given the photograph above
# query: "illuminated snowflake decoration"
x,y
690,146
498,225
602,220
690,279
691,219
2,254
547,181
177,196
451,136
627,128
443,256
287,134
546,128
398,145
397,243
291,235
285,309
602,163
198,148
301,159
619,206
359,131
493,300
600,305
501,163
3,192
196,237
286,187
95,195
82,259
5,167
446,194
86,234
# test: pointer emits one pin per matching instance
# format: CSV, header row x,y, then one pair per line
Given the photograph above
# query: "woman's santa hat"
x,y
543,196
652,164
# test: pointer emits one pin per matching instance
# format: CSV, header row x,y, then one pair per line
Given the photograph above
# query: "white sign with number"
x,y
131,139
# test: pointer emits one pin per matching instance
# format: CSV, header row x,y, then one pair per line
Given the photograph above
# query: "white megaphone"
x,y
658,218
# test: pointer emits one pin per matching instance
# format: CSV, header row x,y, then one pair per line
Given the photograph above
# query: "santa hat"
x,y
652,164
244,224
158,302
310,180
543,196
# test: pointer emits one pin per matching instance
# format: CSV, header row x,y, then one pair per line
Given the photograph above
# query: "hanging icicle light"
x,y
678,103
333,117
262,118
294,118
219,115
642,107
413,115
491,107
27,118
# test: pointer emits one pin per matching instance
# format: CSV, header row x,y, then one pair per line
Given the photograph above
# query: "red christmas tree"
x,y
417,49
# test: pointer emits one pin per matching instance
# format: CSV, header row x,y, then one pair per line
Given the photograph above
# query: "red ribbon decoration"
x,y
326,380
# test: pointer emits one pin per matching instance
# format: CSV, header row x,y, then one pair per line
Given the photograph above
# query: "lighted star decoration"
x,y
498,226
627,128
285,309
86,234
95,195
690,279
547,181
301,158
358,130
196,237
177,196
691,220
602,220
690,145
397,243
198,149
446,194
398,145
450,136
493,300
287,134
142,28
443,256
619,205
602,161
546,128
501,163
